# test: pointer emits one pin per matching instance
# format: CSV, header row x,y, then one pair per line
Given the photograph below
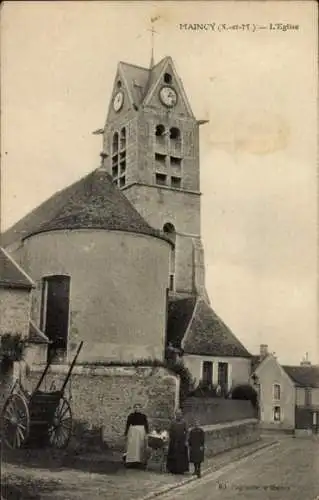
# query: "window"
x,y
175,162
161,179
223,376
207,372
119,84
115,143
307,397
176,182
119,157
159,158
174,134
277,414
276,390
171,282
123,138
55,312
159,130
167,78
170,231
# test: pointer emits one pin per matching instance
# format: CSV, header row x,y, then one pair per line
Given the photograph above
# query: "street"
x,y
286,471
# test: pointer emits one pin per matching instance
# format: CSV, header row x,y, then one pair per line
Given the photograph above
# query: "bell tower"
x,y
151,138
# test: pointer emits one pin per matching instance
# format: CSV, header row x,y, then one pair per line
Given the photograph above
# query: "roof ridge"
x,y
134,65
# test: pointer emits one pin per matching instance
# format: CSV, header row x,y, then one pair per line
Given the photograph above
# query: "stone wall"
x,y
222,437
217,410
14,311
102,397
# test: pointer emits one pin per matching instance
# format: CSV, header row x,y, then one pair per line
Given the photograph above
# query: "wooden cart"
x,y
38,419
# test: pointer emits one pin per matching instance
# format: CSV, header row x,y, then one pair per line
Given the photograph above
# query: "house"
x,y
288,395
211,352
15,306
276,392
306,386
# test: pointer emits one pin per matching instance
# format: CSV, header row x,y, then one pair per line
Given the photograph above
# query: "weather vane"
x,y
152,30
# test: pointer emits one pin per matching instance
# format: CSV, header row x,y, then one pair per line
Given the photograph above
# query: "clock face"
x,y
118,101
168,96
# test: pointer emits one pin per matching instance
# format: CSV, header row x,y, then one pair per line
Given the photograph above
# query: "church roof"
x,y
11,274
303,376
179,316
93,202
194,326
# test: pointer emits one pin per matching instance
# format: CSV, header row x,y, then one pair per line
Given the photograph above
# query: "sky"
x,y
258,89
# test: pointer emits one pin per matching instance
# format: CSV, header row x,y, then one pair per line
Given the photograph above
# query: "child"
x,y
196,442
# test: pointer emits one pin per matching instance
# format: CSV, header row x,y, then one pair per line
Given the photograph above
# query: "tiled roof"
x,y
304,376
36,336
180,313
11,275
91,203
208,335
193,325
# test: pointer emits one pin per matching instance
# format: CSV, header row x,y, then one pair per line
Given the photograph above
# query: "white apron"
x,y
136,444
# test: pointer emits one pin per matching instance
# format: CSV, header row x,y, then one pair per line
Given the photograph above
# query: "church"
x,y
116,258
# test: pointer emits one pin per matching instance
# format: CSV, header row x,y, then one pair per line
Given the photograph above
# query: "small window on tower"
x,y
119,84
115,144
161,179
176,182
123,166
123,138
122,181
167,78
160,158
159,130
175,162
175,134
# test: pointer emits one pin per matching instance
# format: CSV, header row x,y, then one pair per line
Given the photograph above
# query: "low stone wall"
x,y
102,397
226,436
217,410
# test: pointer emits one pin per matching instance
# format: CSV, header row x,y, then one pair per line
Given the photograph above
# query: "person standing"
x,y
177,456
196,442
136,432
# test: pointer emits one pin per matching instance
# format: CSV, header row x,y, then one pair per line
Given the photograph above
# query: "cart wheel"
x,y
15,421
61,428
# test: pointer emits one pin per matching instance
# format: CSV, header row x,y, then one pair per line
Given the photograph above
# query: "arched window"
x,y
169,230
115,143
119,158
123,138
159,130
167,78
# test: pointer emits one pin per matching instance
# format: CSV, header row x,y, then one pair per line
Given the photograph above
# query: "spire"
x,y
152,30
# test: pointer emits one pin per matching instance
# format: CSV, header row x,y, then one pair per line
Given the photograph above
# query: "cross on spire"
x,y
152,30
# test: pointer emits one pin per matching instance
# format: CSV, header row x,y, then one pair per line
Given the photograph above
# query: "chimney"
x,y
305,361
263,350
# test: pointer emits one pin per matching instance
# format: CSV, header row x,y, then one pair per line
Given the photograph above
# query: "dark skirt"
x,y
177,459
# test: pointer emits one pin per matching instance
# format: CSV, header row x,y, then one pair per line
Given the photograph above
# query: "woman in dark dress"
x,y
177,456
136,433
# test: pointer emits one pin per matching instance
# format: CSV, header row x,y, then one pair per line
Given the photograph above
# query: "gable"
x,y
269,368
123,83
152,99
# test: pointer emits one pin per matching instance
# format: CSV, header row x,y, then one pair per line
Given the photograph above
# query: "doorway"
x,y
55,313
